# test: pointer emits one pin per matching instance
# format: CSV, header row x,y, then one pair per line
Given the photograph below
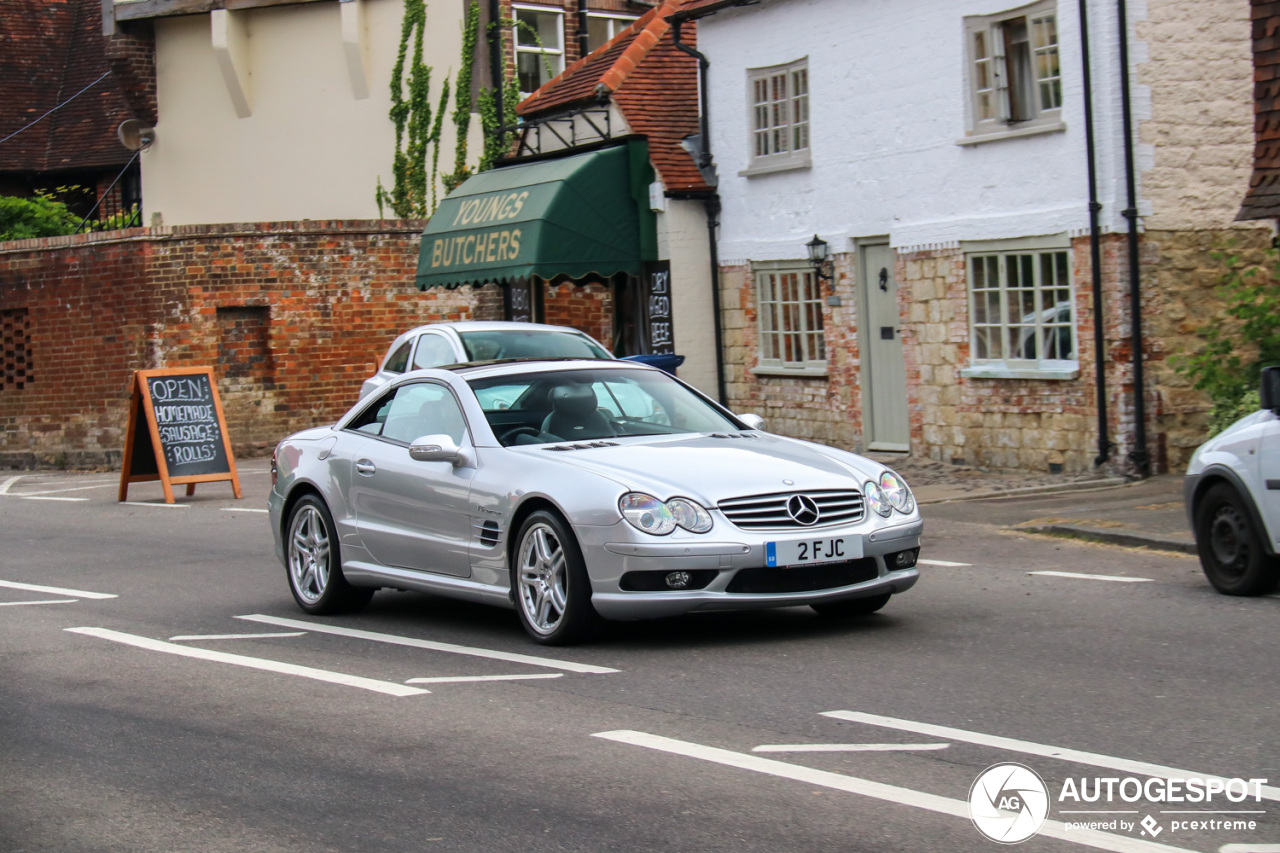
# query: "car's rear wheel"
x,y
549,576
314,562
1231,551
853,606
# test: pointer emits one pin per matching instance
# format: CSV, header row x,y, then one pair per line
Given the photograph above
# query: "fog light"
x,y
905,559
677,580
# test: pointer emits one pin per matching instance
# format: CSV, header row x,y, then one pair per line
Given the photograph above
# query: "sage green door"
x,y
884,371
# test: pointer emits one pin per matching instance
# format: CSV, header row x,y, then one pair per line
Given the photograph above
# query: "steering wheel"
x,y
509,437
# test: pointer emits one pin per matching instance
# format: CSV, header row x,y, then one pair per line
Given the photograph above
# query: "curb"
x,y
1112,537
1057,488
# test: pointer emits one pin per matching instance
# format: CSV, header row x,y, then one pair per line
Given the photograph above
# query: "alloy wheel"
x,y
309,554
543,575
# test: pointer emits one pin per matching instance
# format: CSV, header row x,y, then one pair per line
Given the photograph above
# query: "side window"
x,y
433,351
778,98
1014,75
399,360
423,408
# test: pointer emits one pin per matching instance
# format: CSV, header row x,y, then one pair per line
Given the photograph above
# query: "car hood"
x,y
710,469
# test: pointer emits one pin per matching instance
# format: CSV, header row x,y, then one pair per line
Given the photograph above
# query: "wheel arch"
x,y
299,491
1216,474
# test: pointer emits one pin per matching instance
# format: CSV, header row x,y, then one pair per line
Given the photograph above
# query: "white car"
x,y
440,344
1232,494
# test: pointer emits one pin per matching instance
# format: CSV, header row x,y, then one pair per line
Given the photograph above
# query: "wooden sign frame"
x,y
144,456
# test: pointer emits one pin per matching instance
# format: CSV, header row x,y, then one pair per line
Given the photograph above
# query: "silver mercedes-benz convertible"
x,y
581,490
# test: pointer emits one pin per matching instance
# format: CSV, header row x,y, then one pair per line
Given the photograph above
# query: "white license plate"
x,y
808,552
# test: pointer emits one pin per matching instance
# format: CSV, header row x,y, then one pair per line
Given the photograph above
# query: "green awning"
x,y
577,215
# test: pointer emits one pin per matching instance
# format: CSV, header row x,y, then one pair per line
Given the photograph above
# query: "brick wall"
x,y
290,315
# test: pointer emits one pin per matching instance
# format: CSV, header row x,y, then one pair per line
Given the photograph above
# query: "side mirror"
x,y
753,421
1270,388
436,448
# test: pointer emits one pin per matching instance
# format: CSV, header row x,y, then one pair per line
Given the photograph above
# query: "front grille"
x,y
769,512
804,578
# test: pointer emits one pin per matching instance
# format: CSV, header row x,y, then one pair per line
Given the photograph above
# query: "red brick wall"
x,y
329,298
588,308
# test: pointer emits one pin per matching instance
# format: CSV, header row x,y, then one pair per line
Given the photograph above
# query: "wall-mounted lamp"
x,y
822,264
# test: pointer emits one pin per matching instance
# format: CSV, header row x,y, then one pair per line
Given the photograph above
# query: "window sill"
x,y
767,168
1013,133
800,372
999,371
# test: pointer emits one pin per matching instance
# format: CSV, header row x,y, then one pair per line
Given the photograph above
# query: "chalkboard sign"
x,y
177,432
658,322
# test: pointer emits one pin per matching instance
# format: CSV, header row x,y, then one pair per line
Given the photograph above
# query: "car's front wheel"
x,y
314,561
549,576
851,607
1231,551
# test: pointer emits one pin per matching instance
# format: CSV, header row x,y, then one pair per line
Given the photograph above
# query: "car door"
x,y
1269,479
410,514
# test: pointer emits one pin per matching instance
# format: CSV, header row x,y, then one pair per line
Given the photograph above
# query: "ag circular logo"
x,y
1008,803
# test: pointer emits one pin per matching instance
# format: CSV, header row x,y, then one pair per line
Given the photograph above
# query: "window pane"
x,y
1026,316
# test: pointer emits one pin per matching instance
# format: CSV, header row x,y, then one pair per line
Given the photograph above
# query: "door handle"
x,y
365,467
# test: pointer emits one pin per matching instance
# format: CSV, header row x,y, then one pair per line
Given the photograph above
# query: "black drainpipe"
x,y
583,41
712,201
1095,245
1138,456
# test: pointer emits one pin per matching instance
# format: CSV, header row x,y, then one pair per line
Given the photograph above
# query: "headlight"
x,y
876,499
896,492
647,513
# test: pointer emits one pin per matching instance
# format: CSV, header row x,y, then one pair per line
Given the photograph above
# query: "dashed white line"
x,y
510,657
45,601
55,590
160,505
390,688
1141,768
46,498
869,788
848,747
243,509
59,491
200,637
1079,576
947,564
451,679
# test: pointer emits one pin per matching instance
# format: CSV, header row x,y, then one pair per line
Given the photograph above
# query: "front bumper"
x,y
609,561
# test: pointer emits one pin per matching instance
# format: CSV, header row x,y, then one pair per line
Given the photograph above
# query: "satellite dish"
x,y
135,135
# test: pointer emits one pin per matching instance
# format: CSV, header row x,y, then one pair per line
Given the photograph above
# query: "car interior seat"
x,y
574,414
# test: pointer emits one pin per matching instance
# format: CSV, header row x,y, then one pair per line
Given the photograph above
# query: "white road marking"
x,y
1141,768
388,687
510,657
944,563
46,601
450,679
199,637
243,509
4,487
56,590
847,747
875,790
59,491
161,505
1078,575
46,498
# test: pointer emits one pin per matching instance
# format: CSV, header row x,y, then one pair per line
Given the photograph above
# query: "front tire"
x,y
549,578
1231,552
852,607
314,562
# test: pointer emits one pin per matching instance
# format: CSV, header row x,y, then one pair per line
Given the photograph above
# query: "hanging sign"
x,y
177,432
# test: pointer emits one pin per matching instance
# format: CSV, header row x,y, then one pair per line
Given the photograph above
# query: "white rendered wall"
x,y
887,107
682,239
309,149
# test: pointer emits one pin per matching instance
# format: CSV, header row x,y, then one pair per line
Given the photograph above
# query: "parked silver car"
x,y
439,344
580,490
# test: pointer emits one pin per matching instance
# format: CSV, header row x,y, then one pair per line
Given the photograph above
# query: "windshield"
x,y
530,343
585,405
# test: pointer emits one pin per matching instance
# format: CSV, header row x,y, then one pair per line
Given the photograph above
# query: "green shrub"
x,y
41,216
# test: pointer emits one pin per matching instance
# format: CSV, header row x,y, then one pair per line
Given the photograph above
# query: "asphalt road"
x,y
159,691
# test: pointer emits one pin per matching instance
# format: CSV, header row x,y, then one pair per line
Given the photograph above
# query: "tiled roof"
x,y
50,50
653,83
698,8
1262,201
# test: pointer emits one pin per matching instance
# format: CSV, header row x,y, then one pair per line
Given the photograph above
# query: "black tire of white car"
x,y
851,607
548,574
314,562
1231,552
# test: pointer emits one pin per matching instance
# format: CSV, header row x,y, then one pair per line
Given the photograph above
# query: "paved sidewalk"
x,y
1146,513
